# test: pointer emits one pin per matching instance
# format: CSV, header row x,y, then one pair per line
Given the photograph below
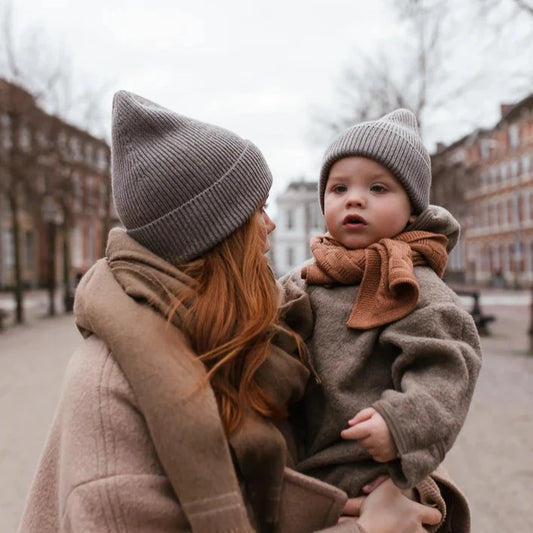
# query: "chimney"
x,y
504,109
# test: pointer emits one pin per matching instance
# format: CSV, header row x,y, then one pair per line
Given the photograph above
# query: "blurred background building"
x,y
55,196
486,180
298,219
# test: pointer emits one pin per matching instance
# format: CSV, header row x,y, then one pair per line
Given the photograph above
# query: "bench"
x,y
480,319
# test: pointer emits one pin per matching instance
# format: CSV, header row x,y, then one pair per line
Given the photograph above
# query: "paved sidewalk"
x,y
33,358
491,460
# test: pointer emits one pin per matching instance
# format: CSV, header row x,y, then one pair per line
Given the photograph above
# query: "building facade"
x,y
486,181
55,193
298,219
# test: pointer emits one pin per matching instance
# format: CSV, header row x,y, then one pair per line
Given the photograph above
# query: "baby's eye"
x,y
377,187
339,188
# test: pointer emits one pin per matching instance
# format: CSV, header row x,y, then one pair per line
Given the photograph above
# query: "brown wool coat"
x,y
100,473
138,445
418,372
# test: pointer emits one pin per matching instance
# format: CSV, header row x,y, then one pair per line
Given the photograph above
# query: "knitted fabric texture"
x,y
393,141
181,186
389,290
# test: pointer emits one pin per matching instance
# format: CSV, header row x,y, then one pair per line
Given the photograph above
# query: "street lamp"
x,y
52,218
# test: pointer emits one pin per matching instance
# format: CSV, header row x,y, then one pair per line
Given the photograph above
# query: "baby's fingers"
x,y
361,416
360,431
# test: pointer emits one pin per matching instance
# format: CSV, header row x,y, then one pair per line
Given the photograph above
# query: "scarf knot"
x,y
385,270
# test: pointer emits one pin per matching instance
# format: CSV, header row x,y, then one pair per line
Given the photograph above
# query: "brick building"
x,y
54,192
486,180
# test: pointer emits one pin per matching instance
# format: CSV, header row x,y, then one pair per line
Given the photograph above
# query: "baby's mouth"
x,y
354,221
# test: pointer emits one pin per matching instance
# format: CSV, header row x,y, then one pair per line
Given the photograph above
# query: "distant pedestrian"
x,y
395,355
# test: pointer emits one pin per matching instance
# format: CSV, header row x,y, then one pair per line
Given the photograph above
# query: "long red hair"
x,y
230,318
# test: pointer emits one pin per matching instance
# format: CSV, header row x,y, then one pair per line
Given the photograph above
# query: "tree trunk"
x,y
18,289
68,296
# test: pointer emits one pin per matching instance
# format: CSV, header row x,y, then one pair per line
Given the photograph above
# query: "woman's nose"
x,y
270,224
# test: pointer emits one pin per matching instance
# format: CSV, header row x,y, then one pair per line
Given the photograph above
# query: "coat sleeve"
x,y
434,374
295,305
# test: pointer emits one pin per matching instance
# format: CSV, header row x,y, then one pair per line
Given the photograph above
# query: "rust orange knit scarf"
x,y
389,290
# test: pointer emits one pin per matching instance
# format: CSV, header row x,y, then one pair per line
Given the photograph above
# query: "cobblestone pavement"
x,y
491,460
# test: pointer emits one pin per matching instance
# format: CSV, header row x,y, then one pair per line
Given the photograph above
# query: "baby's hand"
x,y
370,429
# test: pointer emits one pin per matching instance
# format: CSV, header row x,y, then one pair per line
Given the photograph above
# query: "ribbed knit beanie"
x,y
181,186
395,142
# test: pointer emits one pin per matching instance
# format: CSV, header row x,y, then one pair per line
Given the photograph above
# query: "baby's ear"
x,y
412,218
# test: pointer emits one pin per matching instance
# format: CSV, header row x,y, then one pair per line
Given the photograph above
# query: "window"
x,y
514,168
503,172
6,141
505,217
28,249
7,247
102,160
493,175
290,257
484,148
89,154
527,205
75,148
77,247
77,192
526,164
24,138
289,217
514,136
103,199
485,216
89,194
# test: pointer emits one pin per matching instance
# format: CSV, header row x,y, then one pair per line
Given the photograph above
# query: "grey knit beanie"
x,y
181,186
395,142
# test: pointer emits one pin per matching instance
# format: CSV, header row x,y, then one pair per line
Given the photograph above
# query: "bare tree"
x,y
17,171
29,171
443,60
517,6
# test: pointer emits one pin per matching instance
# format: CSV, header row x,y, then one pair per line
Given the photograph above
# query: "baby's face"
x,y
364,203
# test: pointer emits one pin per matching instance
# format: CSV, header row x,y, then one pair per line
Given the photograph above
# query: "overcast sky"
x,y
255,67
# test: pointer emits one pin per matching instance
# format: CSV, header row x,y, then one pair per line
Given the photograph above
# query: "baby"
x,y
396,357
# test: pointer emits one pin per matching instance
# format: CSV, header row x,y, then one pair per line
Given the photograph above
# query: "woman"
x,y
147,435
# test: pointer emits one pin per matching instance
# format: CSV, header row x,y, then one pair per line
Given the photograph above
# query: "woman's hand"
x,y
388,510
353,505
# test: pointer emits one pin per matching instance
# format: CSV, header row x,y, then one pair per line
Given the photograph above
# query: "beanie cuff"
x,y
193,228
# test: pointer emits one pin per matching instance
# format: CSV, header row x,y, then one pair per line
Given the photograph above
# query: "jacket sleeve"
x,y
295,306
434,374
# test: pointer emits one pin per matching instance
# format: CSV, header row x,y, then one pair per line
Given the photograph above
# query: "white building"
x,y
298,219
